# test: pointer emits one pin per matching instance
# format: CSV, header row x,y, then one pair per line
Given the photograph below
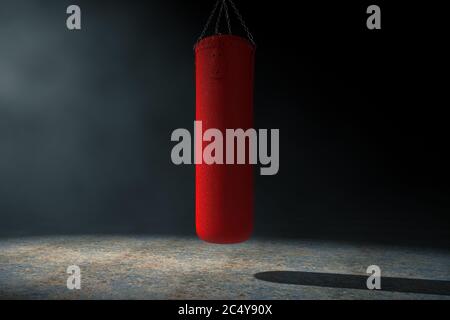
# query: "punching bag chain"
x,y
224,7
238,14
208,22
218,18
227,16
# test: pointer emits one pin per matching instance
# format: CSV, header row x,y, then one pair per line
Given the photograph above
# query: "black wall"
x,y
86,118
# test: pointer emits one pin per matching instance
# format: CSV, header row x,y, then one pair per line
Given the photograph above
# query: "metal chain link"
x,y
223,7
227,16
216,30
238,14
208,22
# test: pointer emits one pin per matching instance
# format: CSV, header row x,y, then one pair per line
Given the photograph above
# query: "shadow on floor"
x,y
334,280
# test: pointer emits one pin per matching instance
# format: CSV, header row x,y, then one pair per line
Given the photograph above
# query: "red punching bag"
x,y
224,67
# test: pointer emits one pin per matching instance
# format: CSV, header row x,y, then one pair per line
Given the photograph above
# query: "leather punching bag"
x,y
224,69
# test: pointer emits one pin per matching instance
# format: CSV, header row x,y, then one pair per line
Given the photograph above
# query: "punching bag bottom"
x,y
224,100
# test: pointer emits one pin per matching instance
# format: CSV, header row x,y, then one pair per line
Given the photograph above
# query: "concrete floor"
x,y
114,267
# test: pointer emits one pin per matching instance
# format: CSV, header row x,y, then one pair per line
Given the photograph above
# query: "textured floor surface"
x,y
186,268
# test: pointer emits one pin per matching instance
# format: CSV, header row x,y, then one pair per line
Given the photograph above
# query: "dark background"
x,y
86,118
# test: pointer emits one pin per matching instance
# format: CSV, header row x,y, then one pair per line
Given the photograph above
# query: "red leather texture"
x,y
224,66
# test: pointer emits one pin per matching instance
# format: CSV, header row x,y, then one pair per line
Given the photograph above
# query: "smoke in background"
x,y
86,117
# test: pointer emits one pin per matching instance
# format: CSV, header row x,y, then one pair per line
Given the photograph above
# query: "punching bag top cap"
x,y
213,41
